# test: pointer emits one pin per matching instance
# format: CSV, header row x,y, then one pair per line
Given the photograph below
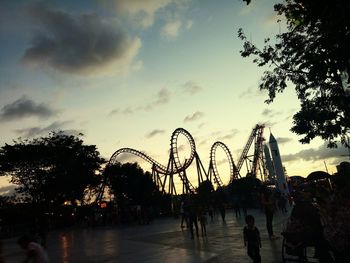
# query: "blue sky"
x,y
127,73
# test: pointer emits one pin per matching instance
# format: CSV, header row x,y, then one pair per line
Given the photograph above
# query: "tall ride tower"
x,y
277,162
269,165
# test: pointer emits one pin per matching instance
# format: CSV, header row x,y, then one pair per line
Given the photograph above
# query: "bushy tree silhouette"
x,y
313,55
131,185
51,169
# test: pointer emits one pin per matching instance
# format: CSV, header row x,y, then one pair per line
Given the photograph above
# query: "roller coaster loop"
x,y
163,175
212,170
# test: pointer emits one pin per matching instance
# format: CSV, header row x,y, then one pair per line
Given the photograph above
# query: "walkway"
x,y
161,241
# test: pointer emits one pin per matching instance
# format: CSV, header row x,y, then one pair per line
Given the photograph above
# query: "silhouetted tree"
x,y
220,195
244,185
205,192
313,54
51,169
130,184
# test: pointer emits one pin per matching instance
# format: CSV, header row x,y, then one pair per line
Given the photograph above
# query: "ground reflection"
x,y
64,245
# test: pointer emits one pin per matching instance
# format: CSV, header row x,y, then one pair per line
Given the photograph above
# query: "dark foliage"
x,y
131,185
52,169
205,192
244,186
313,54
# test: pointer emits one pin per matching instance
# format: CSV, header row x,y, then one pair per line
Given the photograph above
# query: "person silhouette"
x,y
35,252
192,218
269,205
252,239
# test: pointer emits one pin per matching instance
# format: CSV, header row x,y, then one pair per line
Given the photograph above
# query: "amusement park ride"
x,y
258,164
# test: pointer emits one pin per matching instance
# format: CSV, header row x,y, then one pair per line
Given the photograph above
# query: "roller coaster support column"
x,y
200,169
210,171
156,177
170,174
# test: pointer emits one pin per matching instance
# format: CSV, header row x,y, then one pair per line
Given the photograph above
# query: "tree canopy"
x,y
313,55
205,191
131,185
51,169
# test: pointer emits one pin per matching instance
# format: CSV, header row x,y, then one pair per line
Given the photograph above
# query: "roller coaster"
x,y
163,175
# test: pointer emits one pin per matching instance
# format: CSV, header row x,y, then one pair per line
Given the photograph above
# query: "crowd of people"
x,y
318,216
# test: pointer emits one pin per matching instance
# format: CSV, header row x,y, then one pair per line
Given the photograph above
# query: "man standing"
x,y
269,205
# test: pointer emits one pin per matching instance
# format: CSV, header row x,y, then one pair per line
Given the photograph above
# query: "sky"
x,y
127,73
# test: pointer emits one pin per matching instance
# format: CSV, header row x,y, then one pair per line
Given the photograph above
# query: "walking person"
x,y
211,213
243,204
202,218
222,211
192,218
236,207
269,205
252,239
183,213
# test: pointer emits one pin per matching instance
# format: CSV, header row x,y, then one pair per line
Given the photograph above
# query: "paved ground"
x,y
161,241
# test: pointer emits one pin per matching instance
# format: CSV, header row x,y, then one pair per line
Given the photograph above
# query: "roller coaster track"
x,y
175,166
156,166
212,163
256,135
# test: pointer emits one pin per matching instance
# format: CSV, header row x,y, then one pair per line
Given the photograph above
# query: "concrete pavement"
x,y
161,241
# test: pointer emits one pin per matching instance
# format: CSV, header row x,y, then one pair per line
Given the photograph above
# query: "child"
x,y
35,252
252,239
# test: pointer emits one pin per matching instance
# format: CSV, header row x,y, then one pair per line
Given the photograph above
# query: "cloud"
x,y
55,126
269,124
143,12
266,112
283,140
128,110
154,133
189,24
163,96
25,107
201,125
128,158
114,111
252,92
203,142
181,148
81,44
320,153
191,87
228,136
222,161
194,117
270,113
171,29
